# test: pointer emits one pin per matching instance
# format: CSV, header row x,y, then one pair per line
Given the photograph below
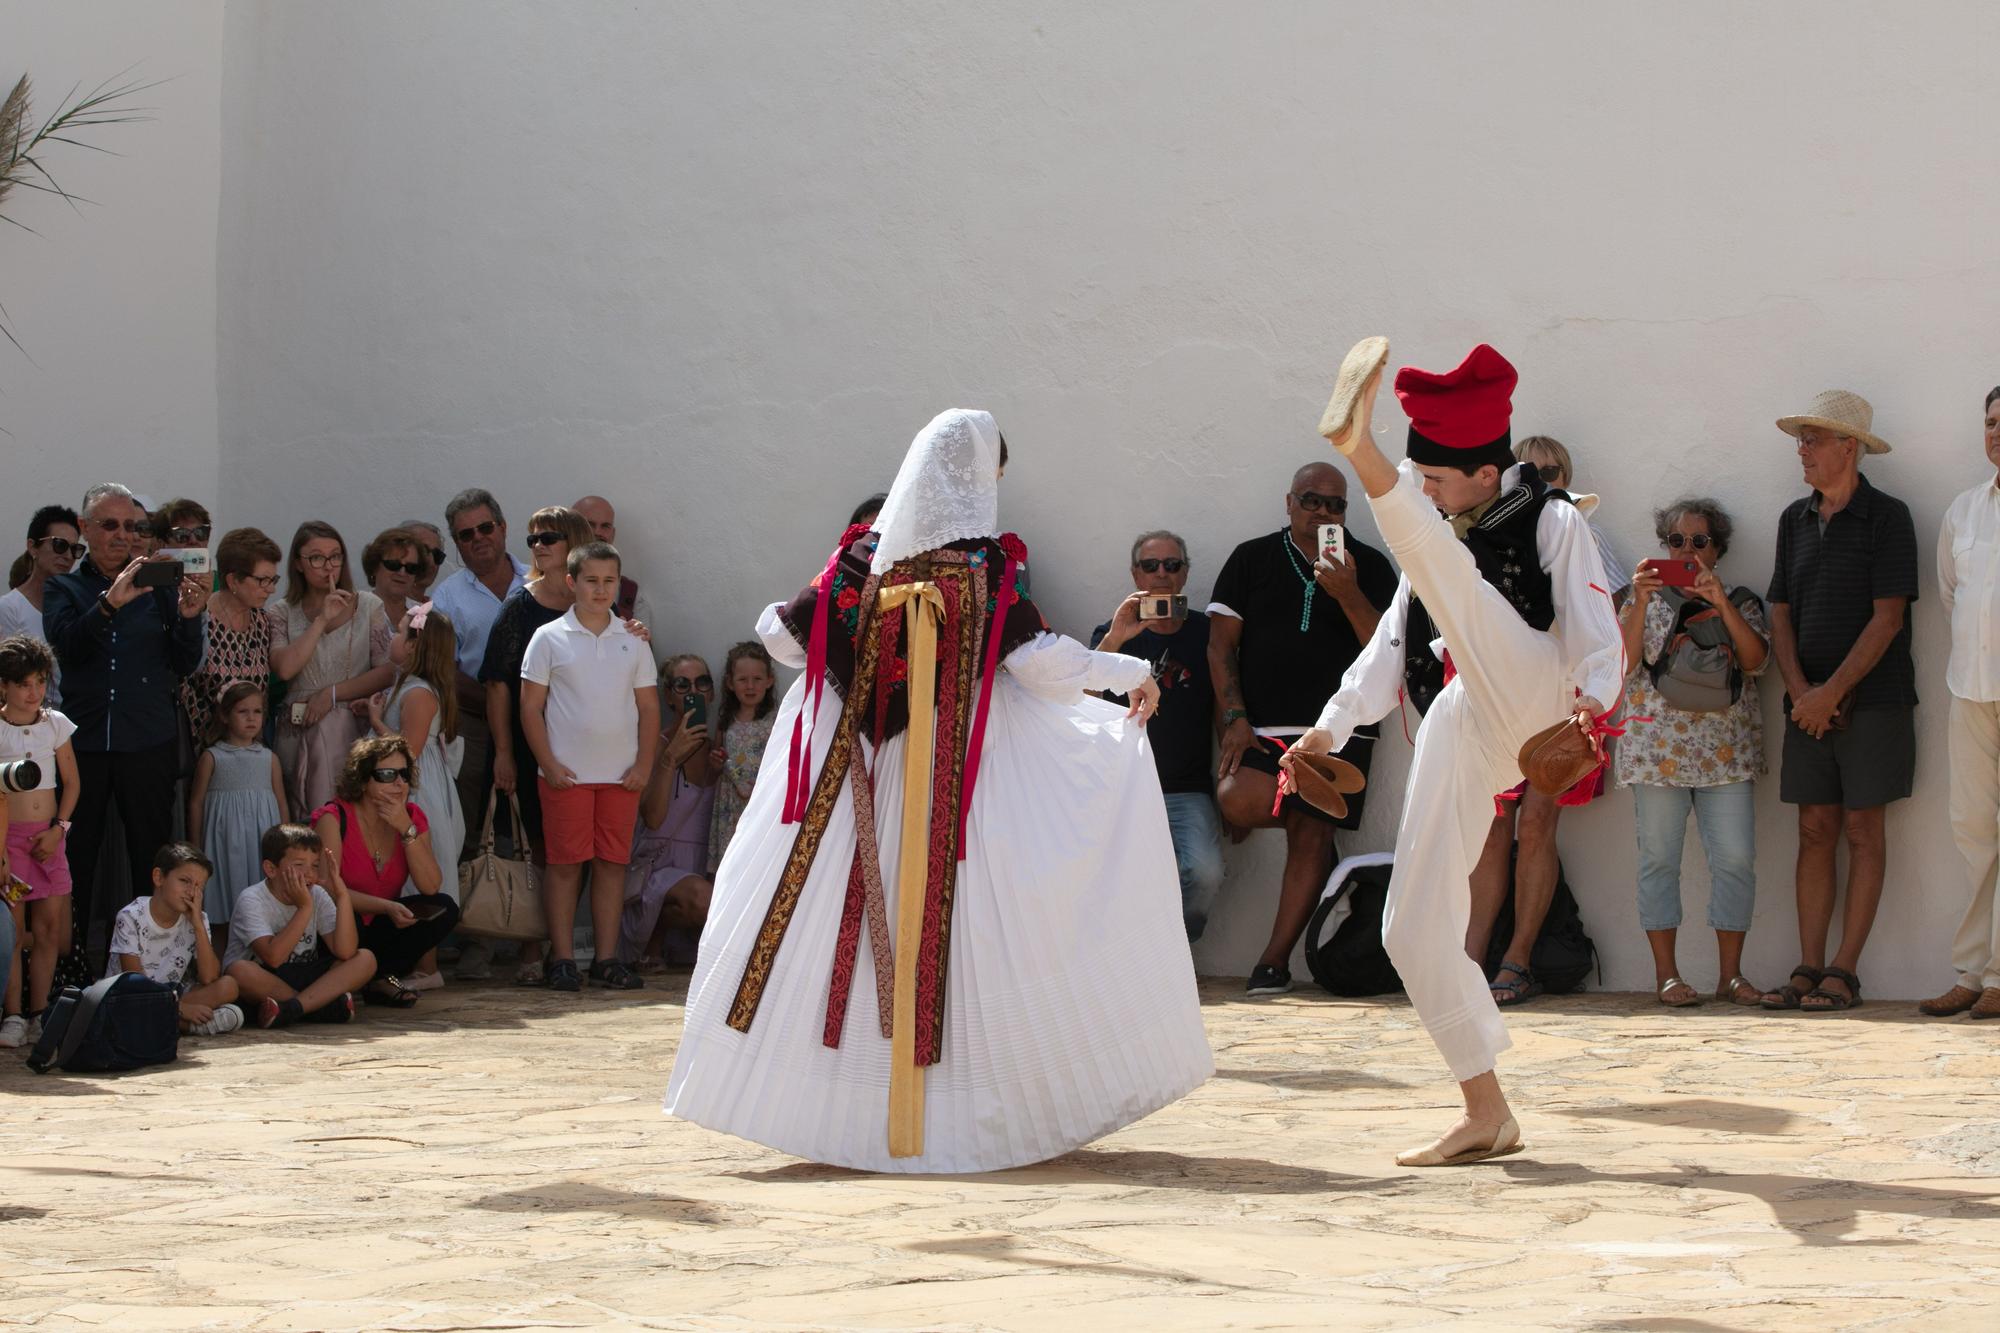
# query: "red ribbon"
x,y
797,778
977,739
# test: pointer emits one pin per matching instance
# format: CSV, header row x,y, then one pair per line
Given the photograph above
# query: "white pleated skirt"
x,y
1070,995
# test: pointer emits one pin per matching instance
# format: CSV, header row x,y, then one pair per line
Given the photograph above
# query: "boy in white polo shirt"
x,y
591,712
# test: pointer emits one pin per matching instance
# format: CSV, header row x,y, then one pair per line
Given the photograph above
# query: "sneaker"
x,y
422,981
279,1013
34,1032
614,974
227,1018
1268,980
564,976
340,1009
13,1031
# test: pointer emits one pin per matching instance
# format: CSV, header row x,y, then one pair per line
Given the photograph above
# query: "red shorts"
x,y
589,821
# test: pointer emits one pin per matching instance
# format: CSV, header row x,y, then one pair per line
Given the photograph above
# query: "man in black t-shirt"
x,y
1284,626
1177,646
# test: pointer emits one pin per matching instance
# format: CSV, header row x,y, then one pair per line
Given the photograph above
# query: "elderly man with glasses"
x,y
124,647
1154,623
1286,621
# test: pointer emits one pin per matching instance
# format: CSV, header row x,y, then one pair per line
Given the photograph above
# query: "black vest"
x,y
1503,546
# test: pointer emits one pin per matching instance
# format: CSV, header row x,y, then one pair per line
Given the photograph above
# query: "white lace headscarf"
x,y
948,489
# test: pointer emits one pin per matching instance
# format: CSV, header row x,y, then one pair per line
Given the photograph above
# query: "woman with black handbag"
x,y
1694,739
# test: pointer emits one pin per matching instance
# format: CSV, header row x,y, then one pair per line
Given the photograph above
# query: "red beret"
x,y
1460,412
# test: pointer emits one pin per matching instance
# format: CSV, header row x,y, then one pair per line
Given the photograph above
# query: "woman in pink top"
x,y
382,842
666,889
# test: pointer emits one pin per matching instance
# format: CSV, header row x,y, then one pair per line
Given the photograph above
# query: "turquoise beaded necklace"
x,y
1305,577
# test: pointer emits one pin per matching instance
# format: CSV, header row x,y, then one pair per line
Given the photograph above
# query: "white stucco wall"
x,y
114,302
719,261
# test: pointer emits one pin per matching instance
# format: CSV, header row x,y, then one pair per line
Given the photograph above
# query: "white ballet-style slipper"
x,y
1506,1142
1362,362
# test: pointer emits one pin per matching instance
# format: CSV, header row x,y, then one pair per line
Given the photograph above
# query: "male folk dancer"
x,y
1500,609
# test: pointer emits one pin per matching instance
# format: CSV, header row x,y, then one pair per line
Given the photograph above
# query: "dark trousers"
x,y
140,784
397,950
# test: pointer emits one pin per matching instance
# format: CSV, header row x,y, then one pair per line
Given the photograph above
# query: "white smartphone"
x,y
1333,542
195,560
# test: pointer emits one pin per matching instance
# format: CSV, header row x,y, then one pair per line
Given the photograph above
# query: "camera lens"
x,y
20,775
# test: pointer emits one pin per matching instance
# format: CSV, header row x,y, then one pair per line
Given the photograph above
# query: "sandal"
x,y
1733,992
1788,996
563,975
1954,1001
530,974
388,991
1517,992
614,974
1693,995
1835,1001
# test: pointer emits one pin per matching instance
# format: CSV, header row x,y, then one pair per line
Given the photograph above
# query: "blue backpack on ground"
x,y
121,1022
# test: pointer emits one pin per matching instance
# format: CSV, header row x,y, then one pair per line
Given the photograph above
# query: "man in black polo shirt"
x,y
1284,627
1840,593
1177,646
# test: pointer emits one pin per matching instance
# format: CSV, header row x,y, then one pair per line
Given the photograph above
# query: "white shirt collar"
x,y
572,625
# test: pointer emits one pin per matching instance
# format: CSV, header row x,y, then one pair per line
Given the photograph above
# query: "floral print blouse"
x,y
1677,748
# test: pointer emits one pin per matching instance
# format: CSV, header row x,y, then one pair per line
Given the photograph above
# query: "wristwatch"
x,y
1230,715
63,824
409,835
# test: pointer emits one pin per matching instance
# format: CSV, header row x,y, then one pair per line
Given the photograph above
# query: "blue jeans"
x,y
1197,830
1727,818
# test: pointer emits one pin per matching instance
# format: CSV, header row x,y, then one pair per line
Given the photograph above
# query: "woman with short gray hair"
x,y
1694,738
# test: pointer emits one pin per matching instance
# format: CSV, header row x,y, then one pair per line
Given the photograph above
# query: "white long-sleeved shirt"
x,y
1593,650
1050,665
1968,570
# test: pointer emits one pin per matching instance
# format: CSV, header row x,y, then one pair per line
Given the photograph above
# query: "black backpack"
x,y
121,1022
1563,954
1351,961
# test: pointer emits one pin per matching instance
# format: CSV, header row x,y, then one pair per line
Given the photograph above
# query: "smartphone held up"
x,y
1163,606
1676,573
1333,543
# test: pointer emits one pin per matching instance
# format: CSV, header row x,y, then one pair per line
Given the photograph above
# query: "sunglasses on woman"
x,y
188,536
1315,503
545,538
1700,541
682,684
403,566
388,776
61,546
464,535
1171,564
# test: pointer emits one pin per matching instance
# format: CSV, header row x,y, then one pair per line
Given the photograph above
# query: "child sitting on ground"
x,y
293,945
37,822
165,937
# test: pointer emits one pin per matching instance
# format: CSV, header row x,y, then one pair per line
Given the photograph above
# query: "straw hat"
x,y
1841,412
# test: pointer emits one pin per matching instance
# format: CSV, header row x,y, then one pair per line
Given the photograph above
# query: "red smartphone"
x,y
1676,573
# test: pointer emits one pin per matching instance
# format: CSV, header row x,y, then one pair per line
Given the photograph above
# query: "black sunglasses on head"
x,y
1172,564
682,684
387,776
544,538
403,566
1701,541
1314,503
486,529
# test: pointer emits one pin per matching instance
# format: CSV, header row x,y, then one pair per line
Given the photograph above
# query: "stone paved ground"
x,y
500,1162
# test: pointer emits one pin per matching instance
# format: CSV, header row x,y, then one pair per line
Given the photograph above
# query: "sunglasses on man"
x,y
1700,541
536,539
1315,503
435,553
1172,564
61,545
682,684
129,525
188,536
464,535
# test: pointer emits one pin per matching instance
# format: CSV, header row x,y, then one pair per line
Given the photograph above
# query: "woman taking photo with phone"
x,y
1694,738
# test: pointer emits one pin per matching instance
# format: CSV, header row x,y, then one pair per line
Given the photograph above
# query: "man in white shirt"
x,y
1495,621
471,597
590,706
632,603
1968,567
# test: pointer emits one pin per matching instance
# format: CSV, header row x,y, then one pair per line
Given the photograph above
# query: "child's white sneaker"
x,y
34,1033
421,981
13,1031
227,1018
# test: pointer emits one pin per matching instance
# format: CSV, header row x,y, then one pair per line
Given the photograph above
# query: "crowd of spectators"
x,y
297,775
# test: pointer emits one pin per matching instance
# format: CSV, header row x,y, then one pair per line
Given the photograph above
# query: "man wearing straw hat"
x,y
1839,600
